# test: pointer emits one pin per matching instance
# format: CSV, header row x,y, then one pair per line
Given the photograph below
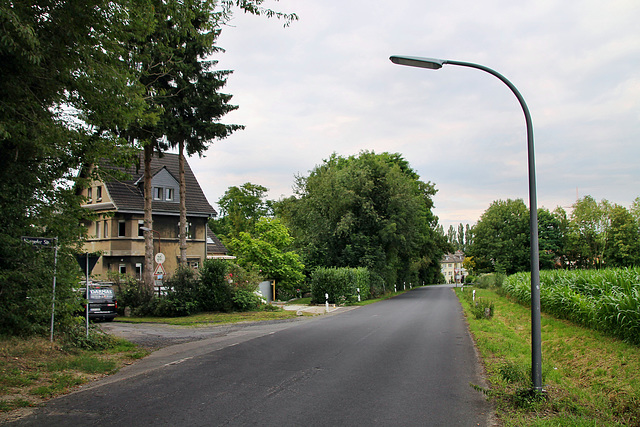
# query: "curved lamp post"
x,y
536,339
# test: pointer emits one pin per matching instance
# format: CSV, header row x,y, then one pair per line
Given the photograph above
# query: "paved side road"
x,y
405,361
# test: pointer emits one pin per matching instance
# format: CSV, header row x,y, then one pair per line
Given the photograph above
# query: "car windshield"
x,y
103,293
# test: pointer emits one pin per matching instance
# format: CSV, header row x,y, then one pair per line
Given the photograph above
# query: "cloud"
x,y
325,85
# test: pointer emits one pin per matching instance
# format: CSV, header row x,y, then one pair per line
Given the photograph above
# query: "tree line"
x,y
84,82
367,211
592,235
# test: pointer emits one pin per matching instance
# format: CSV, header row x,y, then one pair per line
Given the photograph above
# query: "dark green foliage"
x,y
245,300
490,280
501,238
182,296
367,211
240,209
217,286
215,291
341,284
622,245
75,336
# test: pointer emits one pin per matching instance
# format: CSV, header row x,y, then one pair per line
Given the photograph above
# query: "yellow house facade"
x,y
452,269
117,232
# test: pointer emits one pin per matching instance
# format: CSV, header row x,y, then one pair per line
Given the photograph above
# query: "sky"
x,y
325,85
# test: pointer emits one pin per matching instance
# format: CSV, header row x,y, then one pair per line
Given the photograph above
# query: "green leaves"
x,y
607,300
268,251
368,211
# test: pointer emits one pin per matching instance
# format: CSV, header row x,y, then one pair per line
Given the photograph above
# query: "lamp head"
x,y
414,61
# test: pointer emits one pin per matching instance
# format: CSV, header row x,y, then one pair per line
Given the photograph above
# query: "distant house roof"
x,y
128,195
457,257
215,248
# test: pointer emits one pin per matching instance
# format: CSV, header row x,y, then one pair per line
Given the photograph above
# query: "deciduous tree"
x,y
501,238
369,210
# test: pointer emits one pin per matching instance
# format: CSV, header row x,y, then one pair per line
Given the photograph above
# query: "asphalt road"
x,y
406,361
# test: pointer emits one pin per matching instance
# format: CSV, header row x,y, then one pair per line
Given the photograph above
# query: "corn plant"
x,y
607,300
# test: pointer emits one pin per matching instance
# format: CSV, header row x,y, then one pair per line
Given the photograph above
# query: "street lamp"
x,y
536,338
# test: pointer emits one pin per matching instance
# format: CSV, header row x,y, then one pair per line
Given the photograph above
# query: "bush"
x,y
245,300
74,336
215,293
490,280
133,294
341,284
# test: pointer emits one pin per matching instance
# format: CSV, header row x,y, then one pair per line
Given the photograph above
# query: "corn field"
x,y
606,300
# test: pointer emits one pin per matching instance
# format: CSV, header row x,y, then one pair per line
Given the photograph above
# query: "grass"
x,y
591,379
34,370
207,319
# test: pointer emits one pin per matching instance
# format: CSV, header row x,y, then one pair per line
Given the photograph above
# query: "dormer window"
x,y
166,194
157,193
89,195
99,193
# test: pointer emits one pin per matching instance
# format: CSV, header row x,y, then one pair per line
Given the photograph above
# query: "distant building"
x,y
119,204
452,269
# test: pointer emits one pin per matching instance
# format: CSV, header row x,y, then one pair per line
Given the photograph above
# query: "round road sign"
x,y
160,258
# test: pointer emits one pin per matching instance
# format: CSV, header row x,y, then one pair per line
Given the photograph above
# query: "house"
x,y
452,269
117,232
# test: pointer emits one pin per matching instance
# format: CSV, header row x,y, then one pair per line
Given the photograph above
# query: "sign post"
x,y
159,272
47,242
87,262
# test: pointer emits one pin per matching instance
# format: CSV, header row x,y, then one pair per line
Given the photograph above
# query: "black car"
x,y
103,304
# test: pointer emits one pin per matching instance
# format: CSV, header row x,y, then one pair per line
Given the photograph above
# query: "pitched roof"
x,y
457,257
128,195
214,245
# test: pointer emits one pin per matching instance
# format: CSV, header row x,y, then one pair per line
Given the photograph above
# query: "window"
x,y
122,268
89,195
139,270
168,194
140,230
191,231
157,193
97,230
98,193
106,229
122,228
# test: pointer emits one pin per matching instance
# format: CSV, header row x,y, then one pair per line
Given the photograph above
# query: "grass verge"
x,y
34,370
590,379
207,319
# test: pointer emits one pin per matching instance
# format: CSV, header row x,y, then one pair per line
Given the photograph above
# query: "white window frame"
x,y
158,193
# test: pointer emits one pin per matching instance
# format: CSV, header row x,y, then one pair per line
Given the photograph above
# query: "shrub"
x,y
490,280
245,300
215,293
133,294
341,284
